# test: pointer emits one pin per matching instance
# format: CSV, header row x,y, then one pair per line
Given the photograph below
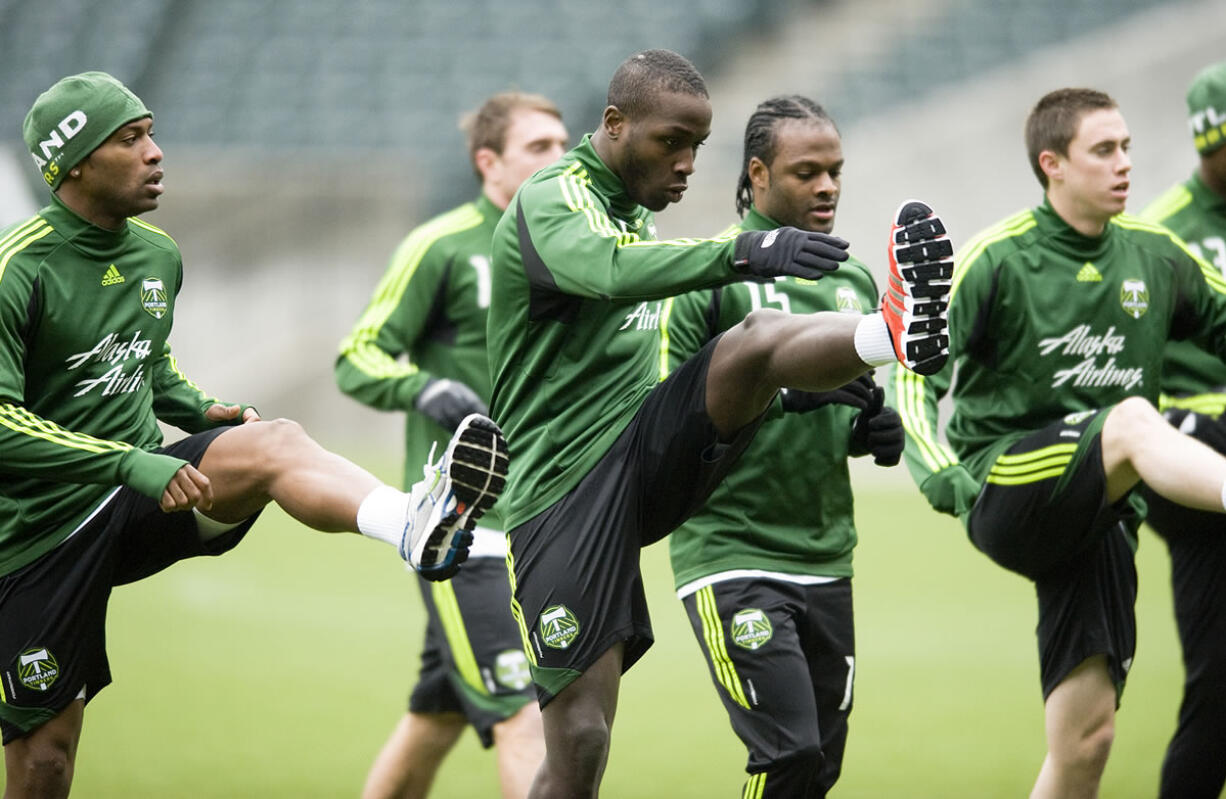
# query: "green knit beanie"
x,y
1207,108
68,121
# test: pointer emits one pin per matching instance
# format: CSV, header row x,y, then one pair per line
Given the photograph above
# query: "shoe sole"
x,y
921,256
476,465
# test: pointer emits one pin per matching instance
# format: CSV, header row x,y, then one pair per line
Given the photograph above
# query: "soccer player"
x,y
1058,319
607,457
1194,396
431,305
764,569
91,499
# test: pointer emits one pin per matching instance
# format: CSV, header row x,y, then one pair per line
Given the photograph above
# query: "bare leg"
x,y
40,765
1080,729
1138,444
578,723
770,350
253,464
407,763
520,741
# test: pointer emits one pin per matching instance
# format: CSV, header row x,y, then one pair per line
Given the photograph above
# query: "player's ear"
x,y
759,174
485,160
1052,165
613,121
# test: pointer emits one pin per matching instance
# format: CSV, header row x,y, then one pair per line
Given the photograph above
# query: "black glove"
x,y
856,394
447,402
878,430
787,251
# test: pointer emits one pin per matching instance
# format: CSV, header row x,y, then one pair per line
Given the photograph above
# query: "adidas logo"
x,y
1089,274
111,277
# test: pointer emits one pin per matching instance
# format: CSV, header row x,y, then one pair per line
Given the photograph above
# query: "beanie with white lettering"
x,y
1207,108
68,121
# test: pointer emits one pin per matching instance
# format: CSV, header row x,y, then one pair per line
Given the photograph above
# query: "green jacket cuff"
x,y
148,472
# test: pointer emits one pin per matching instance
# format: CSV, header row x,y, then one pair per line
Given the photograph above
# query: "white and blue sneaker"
x,y
456,491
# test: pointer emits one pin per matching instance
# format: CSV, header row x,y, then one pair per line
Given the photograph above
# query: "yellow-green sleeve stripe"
x,y
1015,225
359,347
1204,404
1169,203
665,314
12,245
1212,276
21,421
151,228
909,387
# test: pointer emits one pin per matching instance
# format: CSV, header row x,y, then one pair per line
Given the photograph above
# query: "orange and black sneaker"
x,y
916,300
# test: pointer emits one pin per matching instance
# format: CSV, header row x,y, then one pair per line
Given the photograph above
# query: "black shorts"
x,y
1043,513
53,611
782,656
473,658
577,586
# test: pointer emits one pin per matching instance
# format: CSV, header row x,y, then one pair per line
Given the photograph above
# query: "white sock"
x,y
208,529
873,342
1223,491
381,515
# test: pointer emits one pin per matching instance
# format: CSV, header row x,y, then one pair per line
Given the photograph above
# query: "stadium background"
x,y
304,138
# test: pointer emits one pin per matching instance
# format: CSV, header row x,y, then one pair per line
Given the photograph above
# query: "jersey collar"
x,y
756,220
607,184
81,233
1063,237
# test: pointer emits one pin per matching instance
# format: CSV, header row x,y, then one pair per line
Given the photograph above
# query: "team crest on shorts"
x,y
558,626
845,300
511,670
153,297
1134,297
751,629
37,669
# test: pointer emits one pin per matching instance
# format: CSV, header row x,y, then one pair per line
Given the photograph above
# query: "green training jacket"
x,y
579,284
85,373
787,504
431,307
1193,378
1045,322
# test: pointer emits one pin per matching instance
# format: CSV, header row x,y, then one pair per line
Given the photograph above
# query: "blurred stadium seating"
x,y
305,137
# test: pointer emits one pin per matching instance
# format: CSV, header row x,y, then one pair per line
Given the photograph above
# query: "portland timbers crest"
x,y
558,626
153,297
1134,297
751,628
845,300
37,669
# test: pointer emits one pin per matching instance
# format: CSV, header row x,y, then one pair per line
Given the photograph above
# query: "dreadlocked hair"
x,y
760,138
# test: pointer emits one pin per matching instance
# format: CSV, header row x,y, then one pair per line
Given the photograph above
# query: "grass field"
x,y
278,670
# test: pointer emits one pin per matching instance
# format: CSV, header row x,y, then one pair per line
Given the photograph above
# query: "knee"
x,y
280,438
759,333
1088,752
1133,415
588,739
44,769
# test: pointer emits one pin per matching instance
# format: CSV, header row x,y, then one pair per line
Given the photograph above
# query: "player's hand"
x,y
856,394
224,413
188,489
951,490
447,402
878,431
788,251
